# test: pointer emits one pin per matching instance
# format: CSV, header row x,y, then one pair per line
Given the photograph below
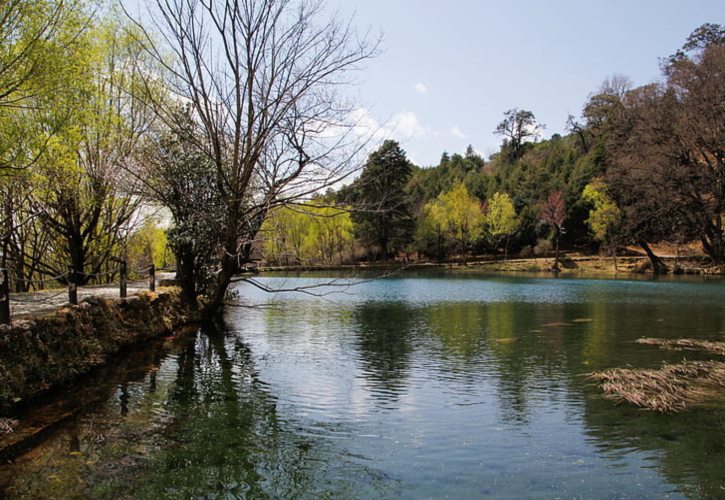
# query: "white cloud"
x,y
407,126
402,126
420,88
365,126
457,132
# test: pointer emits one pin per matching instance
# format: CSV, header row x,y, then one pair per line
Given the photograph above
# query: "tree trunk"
x,y
658,267
712,241
6,232
78,259
383,242
555,268
439,250
614,258
229,264
677,255
463,251
185,275
215,301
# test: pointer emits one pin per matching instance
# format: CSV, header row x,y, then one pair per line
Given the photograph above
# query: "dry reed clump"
x,y
713,347
672,388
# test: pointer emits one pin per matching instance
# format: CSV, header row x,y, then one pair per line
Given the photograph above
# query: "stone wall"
x,y
50,350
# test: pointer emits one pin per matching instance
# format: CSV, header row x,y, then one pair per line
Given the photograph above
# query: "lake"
x,y
420,385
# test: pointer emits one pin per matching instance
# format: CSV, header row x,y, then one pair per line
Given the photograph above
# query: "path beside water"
x,y
23,305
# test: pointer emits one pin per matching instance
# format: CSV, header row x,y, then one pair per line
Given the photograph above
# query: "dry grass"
x,y
673,388
713,347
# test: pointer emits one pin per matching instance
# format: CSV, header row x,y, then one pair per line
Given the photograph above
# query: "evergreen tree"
x,y
382,212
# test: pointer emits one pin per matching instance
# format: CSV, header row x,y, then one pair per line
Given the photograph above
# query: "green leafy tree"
x,y
313,233
37,59
147,245
604,217
461,215
177,175
85,199
284,233
330,235
431,236
501,220
704,36
38,44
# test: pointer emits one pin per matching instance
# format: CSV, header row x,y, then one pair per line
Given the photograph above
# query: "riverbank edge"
x,y
595,266
47,351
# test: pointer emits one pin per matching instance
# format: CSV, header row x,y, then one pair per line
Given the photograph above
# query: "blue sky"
x,y
449,69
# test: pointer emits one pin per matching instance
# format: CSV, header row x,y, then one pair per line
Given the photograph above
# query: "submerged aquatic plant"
x,y
714,347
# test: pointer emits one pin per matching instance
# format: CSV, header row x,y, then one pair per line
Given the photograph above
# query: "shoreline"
x,y
593,266
47,350
47,353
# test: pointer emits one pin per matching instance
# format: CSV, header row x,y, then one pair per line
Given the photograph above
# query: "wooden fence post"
x,y
122,291
152,277
4,298
72,286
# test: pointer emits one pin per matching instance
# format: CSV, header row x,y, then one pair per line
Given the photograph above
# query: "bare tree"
x,y
24,242
667,161
552,213
574,126
604,107
262,79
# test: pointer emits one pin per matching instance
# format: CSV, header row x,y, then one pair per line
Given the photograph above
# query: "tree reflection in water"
x,y
196,422
385,336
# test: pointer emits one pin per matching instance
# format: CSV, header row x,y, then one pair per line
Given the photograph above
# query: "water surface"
x,y
415,386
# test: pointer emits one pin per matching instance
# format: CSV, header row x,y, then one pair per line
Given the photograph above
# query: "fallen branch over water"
x,y
713,347
672,388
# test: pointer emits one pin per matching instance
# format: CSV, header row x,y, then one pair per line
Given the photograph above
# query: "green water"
x,y
417,386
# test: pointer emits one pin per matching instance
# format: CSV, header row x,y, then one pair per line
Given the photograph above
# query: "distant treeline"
x,y
641,165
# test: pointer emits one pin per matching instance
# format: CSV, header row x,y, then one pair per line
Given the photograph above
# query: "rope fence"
x,y
38,284
74,279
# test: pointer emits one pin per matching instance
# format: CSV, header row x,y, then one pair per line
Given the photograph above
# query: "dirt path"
x,y
26,304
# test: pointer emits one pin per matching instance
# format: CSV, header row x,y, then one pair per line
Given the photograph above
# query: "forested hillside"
x,y
639,166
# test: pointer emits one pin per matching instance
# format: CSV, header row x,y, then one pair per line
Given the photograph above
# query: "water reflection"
x,y
199,423
689,448
385,336
407,387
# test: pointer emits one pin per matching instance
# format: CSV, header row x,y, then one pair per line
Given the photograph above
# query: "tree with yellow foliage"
x,y
501,220
456,214
312,233
604,216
